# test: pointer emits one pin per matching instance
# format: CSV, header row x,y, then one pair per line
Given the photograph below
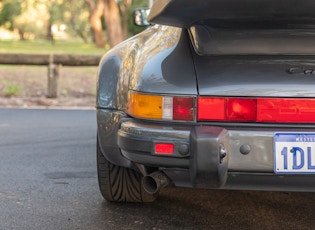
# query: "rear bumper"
x,y
209,156
247,151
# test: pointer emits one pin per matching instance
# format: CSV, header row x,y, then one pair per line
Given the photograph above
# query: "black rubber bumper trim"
x,y
139,149
156,161
134,143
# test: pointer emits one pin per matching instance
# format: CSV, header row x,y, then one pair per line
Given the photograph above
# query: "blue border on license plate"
x,y
294,153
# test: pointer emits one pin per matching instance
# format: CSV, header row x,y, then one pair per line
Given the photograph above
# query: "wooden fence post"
x,y
53,61
53,75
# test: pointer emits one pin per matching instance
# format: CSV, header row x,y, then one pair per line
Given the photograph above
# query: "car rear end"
x,y
246,117
251,124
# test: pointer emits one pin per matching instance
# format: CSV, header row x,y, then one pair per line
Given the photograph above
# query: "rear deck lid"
x,y
185,13
256,76
242,27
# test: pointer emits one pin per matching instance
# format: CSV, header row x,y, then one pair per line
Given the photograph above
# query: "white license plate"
x,y
294,153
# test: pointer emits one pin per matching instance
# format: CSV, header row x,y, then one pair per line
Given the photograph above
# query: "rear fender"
x,y
158,60
114,71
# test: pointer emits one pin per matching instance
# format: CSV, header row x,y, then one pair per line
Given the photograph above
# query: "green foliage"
x,y
11,90
76,16
31,20
9,10
56,10
34,18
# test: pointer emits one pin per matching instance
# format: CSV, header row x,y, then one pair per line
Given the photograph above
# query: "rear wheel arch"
x,y
120,184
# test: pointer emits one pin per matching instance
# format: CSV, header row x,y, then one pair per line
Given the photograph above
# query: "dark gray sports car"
x,y
216,94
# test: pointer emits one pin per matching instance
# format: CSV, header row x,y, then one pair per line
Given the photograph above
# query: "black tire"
x,y
120,184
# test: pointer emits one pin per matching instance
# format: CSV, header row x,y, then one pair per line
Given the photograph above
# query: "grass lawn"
x,y
44,47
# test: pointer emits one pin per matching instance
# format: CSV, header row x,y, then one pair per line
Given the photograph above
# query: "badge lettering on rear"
x,y
300,70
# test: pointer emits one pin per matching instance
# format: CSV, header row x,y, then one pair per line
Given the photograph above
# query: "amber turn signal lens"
x,y
159,107
145,106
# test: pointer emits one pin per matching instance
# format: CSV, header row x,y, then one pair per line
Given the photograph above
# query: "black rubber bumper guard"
x,y
209,156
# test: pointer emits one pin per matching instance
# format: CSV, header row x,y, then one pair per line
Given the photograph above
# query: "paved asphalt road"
x,y
48,181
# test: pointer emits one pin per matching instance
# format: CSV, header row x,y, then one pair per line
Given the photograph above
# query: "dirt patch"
x,y
26,86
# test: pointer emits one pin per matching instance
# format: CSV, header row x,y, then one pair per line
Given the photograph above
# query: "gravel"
x,y
26,87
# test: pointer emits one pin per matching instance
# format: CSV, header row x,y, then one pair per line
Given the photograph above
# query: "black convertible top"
x,y
185,13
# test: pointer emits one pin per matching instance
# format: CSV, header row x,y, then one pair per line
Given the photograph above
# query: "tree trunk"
x,y
96,12
22,35
113,23
124,14
91,6
50,36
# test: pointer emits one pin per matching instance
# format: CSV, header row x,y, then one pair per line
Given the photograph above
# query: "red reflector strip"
x,y
164,148
285,110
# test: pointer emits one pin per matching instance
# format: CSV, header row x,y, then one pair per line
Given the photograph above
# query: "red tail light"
x,y
183,108
240,109
210,109
285,110
226,109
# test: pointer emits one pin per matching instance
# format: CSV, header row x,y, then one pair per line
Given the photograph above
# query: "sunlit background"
x,y
76,27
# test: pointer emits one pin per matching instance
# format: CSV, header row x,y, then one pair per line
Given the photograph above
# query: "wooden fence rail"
x,y
53,61
46,59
